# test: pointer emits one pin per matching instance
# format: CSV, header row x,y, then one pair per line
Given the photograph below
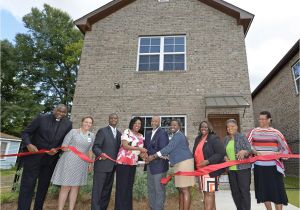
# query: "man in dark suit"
x,y
44,132
108,140
156,140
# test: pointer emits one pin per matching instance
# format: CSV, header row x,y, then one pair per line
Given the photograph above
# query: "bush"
x,y
8,197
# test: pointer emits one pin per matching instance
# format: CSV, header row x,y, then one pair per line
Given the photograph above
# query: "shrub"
x,y
8,197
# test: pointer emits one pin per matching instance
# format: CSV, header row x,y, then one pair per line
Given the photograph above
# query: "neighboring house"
x,y
9,145
279,94
182,59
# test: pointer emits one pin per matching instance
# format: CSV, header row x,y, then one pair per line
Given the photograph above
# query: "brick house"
x,y
173,58
279,94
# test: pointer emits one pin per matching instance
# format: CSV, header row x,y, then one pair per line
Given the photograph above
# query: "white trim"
x,y
6,139
295,79
161,53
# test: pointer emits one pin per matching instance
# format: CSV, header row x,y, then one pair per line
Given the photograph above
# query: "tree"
x,y
49,54
19,104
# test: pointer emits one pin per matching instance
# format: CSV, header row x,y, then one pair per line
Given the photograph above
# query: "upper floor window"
x,y
161,53
296,74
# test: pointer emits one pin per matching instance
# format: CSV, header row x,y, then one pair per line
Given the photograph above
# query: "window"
x,y
3,148
164,123
165,53
296,74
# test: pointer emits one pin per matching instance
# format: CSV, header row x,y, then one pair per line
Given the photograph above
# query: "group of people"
x,y
70,171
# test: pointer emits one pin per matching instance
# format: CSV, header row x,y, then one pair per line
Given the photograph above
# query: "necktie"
x,y
114,132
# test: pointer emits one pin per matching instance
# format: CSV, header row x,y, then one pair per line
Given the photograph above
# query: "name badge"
x,y
89,139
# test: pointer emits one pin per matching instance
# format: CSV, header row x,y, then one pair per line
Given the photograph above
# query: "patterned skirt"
x,y
208,184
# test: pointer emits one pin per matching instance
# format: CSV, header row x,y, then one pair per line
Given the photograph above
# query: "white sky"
x,y
273,32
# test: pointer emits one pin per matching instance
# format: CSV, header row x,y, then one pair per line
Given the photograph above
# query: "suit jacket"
x,y
106,143
159,141
213,151
46,133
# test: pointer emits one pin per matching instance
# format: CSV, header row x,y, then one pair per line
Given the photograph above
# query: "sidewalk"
x,y
224,201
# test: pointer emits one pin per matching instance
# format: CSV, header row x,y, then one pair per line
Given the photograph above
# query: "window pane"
x,y
154,66
143,67
168,66
3,148
179,40
296,69
179,58
154,58
179,48
179,66
169,40
169,58
148,121
144,49
155,49
155,41
298,85
145,41
169,48
144,59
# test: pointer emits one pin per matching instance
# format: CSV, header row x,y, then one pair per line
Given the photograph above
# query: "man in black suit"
x,y
44,132
156,140
108,140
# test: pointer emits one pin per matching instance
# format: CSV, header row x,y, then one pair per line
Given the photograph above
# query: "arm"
x,y
29,130
128,147
98,143
246,149
68,139
170,147
219,152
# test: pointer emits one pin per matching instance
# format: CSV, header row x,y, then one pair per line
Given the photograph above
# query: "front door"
x,y
218,122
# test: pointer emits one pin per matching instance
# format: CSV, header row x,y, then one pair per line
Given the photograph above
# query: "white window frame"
x,y
161,53
295,79
160,116
6,149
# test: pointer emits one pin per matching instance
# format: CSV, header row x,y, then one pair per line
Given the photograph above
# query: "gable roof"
x,y
85,23
9,137
288,56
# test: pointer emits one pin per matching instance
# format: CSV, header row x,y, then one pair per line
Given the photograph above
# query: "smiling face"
x,y
204,128
86,124
113,120
155,121
232,128
137,126
60,112
174,127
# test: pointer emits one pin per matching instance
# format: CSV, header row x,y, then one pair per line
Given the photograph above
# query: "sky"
x,y
274,30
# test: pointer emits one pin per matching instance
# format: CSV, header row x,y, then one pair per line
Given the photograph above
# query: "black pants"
x,y
124,186
240,181
35,168
102,186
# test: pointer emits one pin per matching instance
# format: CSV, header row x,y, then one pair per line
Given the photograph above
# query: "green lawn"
x,y
292,190
8,172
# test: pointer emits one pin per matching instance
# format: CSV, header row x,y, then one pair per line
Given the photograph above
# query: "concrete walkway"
x,y
224,202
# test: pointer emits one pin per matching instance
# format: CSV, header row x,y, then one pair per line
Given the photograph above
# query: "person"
x,y
208,149
237,147
268,175
108,140
181,158
156,140
71,171
132,145
44,132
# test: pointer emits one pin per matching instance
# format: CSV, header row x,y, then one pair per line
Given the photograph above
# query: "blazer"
x,y
177,149
42,133
106,143
213,151
240,143
159,141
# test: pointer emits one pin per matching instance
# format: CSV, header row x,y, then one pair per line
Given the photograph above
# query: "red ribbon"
x,y
81,155
211,168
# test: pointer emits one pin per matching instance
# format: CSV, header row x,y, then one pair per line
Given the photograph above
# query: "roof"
x,y
85,23
9,137
226,102
288,56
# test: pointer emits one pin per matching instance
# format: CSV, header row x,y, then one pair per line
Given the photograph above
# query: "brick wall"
x,y
280,98
216,64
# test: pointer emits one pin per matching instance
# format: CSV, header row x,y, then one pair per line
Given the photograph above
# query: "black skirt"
x,y
269,185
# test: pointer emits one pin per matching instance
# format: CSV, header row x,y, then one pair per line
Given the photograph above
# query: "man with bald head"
x,y
44,132
155,140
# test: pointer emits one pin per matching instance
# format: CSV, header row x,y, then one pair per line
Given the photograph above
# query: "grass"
x,y
292,190
8,197
8,172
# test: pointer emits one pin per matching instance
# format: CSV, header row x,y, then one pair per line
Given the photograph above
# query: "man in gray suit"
x,y
108,140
